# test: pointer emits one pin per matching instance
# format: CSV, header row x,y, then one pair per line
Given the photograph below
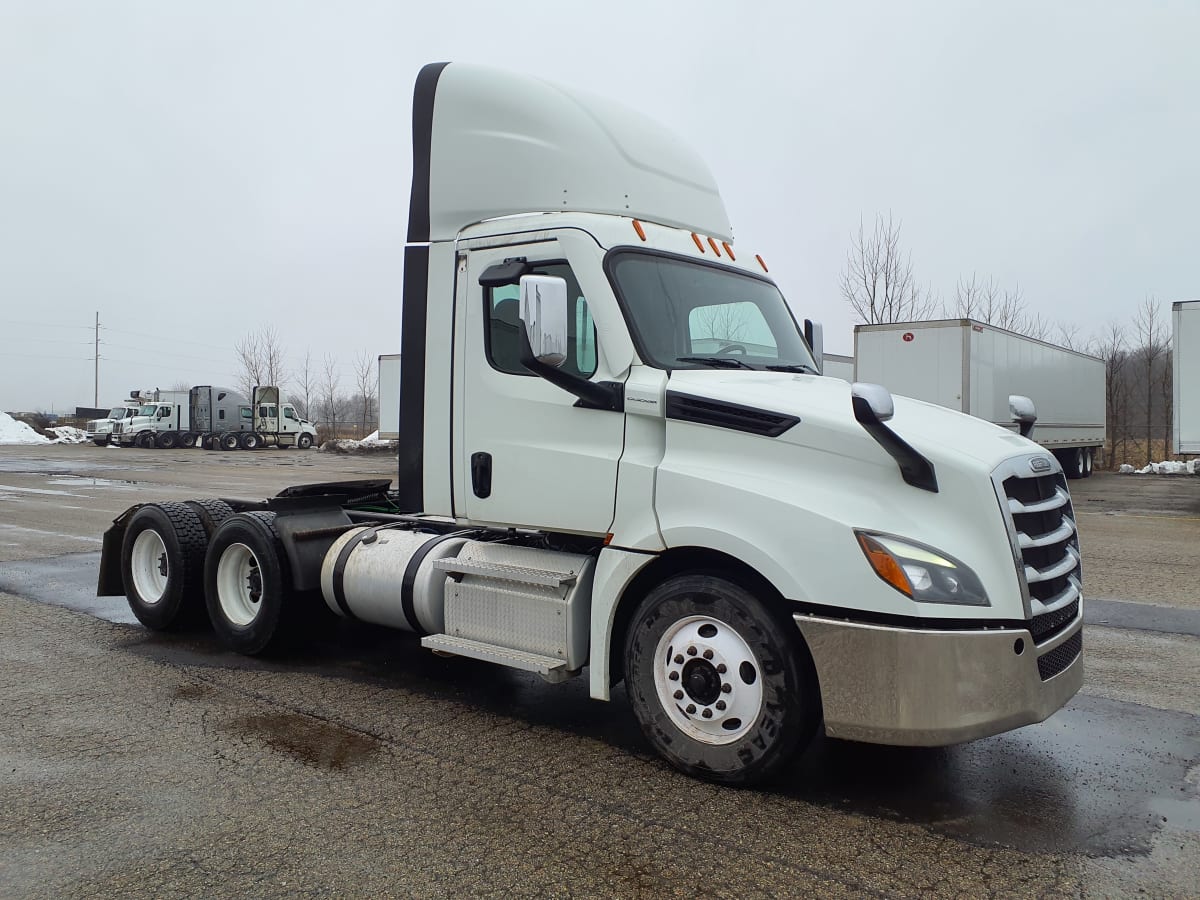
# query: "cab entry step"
x,y
547,666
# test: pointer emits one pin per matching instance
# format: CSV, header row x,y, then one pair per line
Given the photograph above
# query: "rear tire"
x,y
230,441
162,565
250,441
1089,458
187,439
167,440
144,440
247,586
211,512
722,686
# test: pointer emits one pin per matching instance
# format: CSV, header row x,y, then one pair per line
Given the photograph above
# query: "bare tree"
x,y
1165,379
985,301
330,381
1066,334
1153,342
1110,347
366,382
181,386
1034,326
305,381
878,281
260,356
722,322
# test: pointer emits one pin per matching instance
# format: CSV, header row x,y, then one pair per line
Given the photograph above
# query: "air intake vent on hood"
x,y
728,415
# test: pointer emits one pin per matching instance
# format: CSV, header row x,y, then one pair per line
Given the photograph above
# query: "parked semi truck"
x,y
838,366
599,479
99,431
1185,375
217,418
973,367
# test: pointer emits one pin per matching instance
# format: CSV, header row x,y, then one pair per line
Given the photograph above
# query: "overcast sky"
x,y
196,170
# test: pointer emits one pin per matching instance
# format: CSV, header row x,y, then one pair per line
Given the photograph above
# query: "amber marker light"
x,y
699,243
728,250
885,564
713,244
637,226
608,539
760,261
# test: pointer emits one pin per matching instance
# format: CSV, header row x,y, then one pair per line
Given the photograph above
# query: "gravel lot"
x,y
134,764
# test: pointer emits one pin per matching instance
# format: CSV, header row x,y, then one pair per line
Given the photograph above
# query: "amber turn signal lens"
x,y
760,262
885,564
728,250
637,226
713,244
699,243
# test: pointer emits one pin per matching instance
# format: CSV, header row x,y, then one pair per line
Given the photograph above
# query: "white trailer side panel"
x,y
389,397
924,360
838,366
1066,387
1185,355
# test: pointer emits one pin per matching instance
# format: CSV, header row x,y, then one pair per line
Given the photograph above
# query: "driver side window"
x,y
502,326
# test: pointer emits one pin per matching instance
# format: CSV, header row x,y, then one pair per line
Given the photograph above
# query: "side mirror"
x,y
872,400
1023,412
544,317
814,334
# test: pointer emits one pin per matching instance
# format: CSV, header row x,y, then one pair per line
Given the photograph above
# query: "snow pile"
x,y
66,434
14,432
370,444
1166,467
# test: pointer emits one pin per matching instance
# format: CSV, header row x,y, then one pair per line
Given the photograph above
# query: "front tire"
x,y
304,441
247,585
722,686
162,562
100,443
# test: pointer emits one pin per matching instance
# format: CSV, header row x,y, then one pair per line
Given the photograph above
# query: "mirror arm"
x,y
592,395
914,468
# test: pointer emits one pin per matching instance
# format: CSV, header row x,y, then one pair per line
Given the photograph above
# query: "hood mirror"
x,y
873,406
1023,412
874,398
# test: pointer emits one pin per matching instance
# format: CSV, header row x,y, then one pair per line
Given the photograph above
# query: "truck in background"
x,y
99,431
389,397
618,462
974,368
216,418
1185,375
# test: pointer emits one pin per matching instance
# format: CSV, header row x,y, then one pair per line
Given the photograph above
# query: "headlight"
x,y
920,572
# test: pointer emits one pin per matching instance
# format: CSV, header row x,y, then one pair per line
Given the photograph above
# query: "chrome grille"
x,y
117,427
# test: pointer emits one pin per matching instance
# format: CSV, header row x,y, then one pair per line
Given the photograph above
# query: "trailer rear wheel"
x,y
229,441
304,441
1089,458
723,686
247,585
162,561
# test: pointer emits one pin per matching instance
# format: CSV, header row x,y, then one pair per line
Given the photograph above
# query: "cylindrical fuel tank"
x,y
385,576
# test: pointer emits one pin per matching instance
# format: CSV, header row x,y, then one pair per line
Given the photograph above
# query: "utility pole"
x,y
96,362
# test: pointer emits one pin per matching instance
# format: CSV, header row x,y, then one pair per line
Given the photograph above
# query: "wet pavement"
x,y
139,764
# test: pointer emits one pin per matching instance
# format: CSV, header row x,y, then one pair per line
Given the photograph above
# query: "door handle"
x,y
481,474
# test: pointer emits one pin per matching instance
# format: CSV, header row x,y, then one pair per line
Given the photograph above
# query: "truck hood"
x,y
827,421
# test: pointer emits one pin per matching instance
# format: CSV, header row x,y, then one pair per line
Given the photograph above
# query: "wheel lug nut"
x,y
725,689
674,676
691,708
678,659
708,654
691,651
707,713
721,669
678,695
720,704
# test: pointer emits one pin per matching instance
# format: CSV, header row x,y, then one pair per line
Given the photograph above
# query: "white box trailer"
x,y
972,367
838,366
389,397
1185,375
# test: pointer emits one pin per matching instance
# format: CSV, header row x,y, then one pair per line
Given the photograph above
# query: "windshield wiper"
x,y
717,362
793,367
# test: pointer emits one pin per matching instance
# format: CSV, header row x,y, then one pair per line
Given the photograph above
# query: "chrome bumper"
x,y
912,687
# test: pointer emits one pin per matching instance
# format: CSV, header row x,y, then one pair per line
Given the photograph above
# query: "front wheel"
x,y
723,687
304,441
100,443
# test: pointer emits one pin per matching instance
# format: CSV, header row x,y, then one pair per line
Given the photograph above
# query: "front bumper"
x,y
926,688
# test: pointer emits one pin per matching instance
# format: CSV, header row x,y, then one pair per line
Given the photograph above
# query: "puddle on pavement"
x,y
312,742
121,484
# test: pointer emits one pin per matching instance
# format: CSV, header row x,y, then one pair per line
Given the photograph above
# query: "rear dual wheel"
x,y
721,684
162,560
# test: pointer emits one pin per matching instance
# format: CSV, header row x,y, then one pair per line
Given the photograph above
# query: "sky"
x,y
195,171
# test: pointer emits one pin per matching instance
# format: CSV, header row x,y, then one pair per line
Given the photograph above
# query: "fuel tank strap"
x,y
408,600
339,570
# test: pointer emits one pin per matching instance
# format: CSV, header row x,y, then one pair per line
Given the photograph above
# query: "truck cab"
x,y
618,457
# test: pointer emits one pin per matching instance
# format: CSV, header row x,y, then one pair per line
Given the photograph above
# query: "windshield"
x,y
117,412
148,410
691,315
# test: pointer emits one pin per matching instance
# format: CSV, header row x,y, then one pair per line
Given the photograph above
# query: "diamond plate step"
x,y
519,574
547,666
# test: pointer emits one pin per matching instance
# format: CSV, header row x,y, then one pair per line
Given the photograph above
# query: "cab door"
x,y
527,456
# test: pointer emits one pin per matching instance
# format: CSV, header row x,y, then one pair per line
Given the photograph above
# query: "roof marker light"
x,y
699,243
637,226
729,250
713,244
760,262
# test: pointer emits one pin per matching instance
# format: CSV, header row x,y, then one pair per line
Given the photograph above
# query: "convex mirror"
x,y
544,317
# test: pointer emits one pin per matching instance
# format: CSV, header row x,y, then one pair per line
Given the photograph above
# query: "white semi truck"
x,y
617,462
1185,362
216,418
99,431
973,367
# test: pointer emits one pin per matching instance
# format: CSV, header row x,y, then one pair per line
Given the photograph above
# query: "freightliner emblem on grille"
x,y
1039,464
